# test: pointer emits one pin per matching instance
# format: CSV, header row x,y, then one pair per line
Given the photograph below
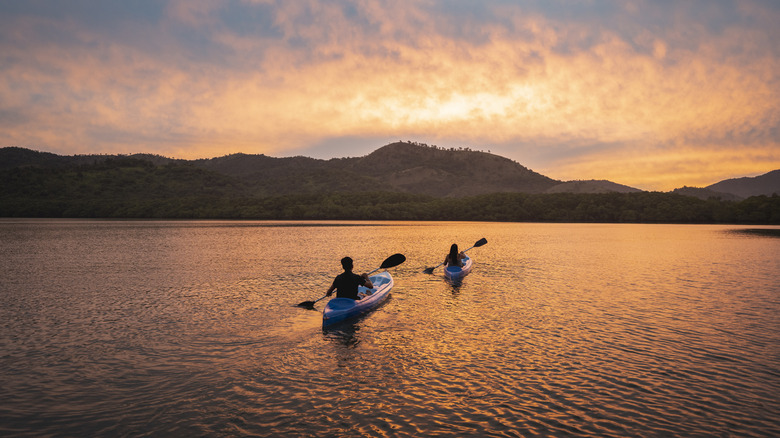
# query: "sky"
x,y
652,94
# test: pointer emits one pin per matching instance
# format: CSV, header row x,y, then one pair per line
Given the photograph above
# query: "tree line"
x,y
131,188
505,207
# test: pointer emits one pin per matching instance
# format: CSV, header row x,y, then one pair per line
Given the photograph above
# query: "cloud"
x,y
571,89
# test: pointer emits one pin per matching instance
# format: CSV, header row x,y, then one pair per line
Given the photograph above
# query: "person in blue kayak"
x,y
346,284
454,257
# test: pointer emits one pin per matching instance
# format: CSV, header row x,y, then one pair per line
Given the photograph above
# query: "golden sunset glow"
x,y
652,96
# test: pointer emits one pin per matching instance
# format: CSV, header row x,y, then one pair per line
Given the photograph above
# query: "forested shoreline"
x,y
138,189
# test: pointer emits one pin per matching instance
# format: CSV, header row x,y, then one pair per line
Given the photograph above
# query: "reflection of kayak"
x,y
340,309
457,272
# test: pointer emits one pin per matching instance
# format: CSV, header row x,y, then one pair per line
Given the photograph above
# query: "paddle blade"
x,y
480,242
307,304
393,260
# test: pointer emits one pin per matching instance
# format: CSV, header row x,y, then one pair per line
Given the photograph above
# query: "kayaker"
x,y
454,257
346,284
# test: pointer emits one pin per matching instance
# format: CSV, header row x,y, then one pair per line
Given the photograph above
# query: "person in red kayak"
x,y
346,284
454,257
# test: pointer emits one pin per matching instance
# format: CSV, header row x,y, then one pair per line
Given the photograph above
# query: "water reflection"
x,y
191,328
345,333
455,285
759,232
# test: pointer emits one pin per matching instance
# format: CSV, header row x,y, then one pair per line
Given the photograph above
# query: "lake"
x,y
190,328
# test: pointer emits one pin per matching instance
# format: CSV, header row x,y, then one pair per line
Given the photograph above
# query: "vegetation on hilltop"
x,y
402,181
135,188
402,166
420,168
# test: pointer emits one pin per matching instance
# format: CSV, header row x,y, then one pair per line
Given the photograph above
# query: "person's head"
x,y
454,250
346,263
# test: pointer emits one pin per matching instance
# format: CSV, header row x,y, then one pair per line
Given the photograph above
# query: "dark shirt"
x,y
450,262
347,285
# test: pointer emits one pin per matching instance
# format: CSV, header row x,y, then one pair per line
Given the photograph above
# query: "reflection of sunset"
x,y
657,105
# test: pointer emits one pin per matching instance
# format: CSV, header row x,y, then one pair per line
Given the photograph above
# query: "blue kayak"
x,y
455,273
341,309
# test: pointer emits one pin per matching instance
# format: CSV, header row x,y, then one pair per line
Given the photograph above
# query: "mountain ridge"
x,y
766,184
405,167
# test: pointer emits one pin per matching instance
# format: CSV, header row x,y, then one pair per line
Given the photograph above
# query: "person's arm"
x,y
331,289
367,283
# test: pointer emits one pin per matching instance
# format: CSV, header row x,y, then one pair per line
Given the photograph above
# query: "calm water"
x,y
190,329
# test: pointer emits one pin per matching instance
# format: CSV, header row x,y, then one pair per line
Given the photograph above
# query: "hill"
x,y
591,186
429,170
698,192
766,184
12,157
403,167
269,175
401,181
16,157
399,167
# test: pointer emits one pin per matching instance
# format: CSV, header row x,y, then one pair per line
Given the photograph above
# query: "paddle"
x,y
390,262
479,242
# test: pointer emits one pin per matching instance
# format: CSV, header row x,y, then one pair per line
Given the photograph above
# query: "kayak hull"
x,y
455,273
342,309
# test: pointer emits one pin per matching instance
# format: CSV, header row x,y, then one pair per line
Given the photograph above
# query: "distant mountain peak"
x,y
766,184
431,170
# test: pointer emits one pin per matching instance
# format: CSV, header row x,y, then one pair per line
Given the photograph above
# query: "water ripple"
x,y
159,329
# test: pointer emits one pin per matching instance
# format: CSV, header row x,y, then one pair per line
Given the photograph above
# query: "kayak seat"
x,y
341,303
379,281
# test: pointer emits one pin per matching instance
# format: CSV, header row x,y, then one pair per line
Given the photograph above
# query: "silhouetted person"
x,y
346,284
454,257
